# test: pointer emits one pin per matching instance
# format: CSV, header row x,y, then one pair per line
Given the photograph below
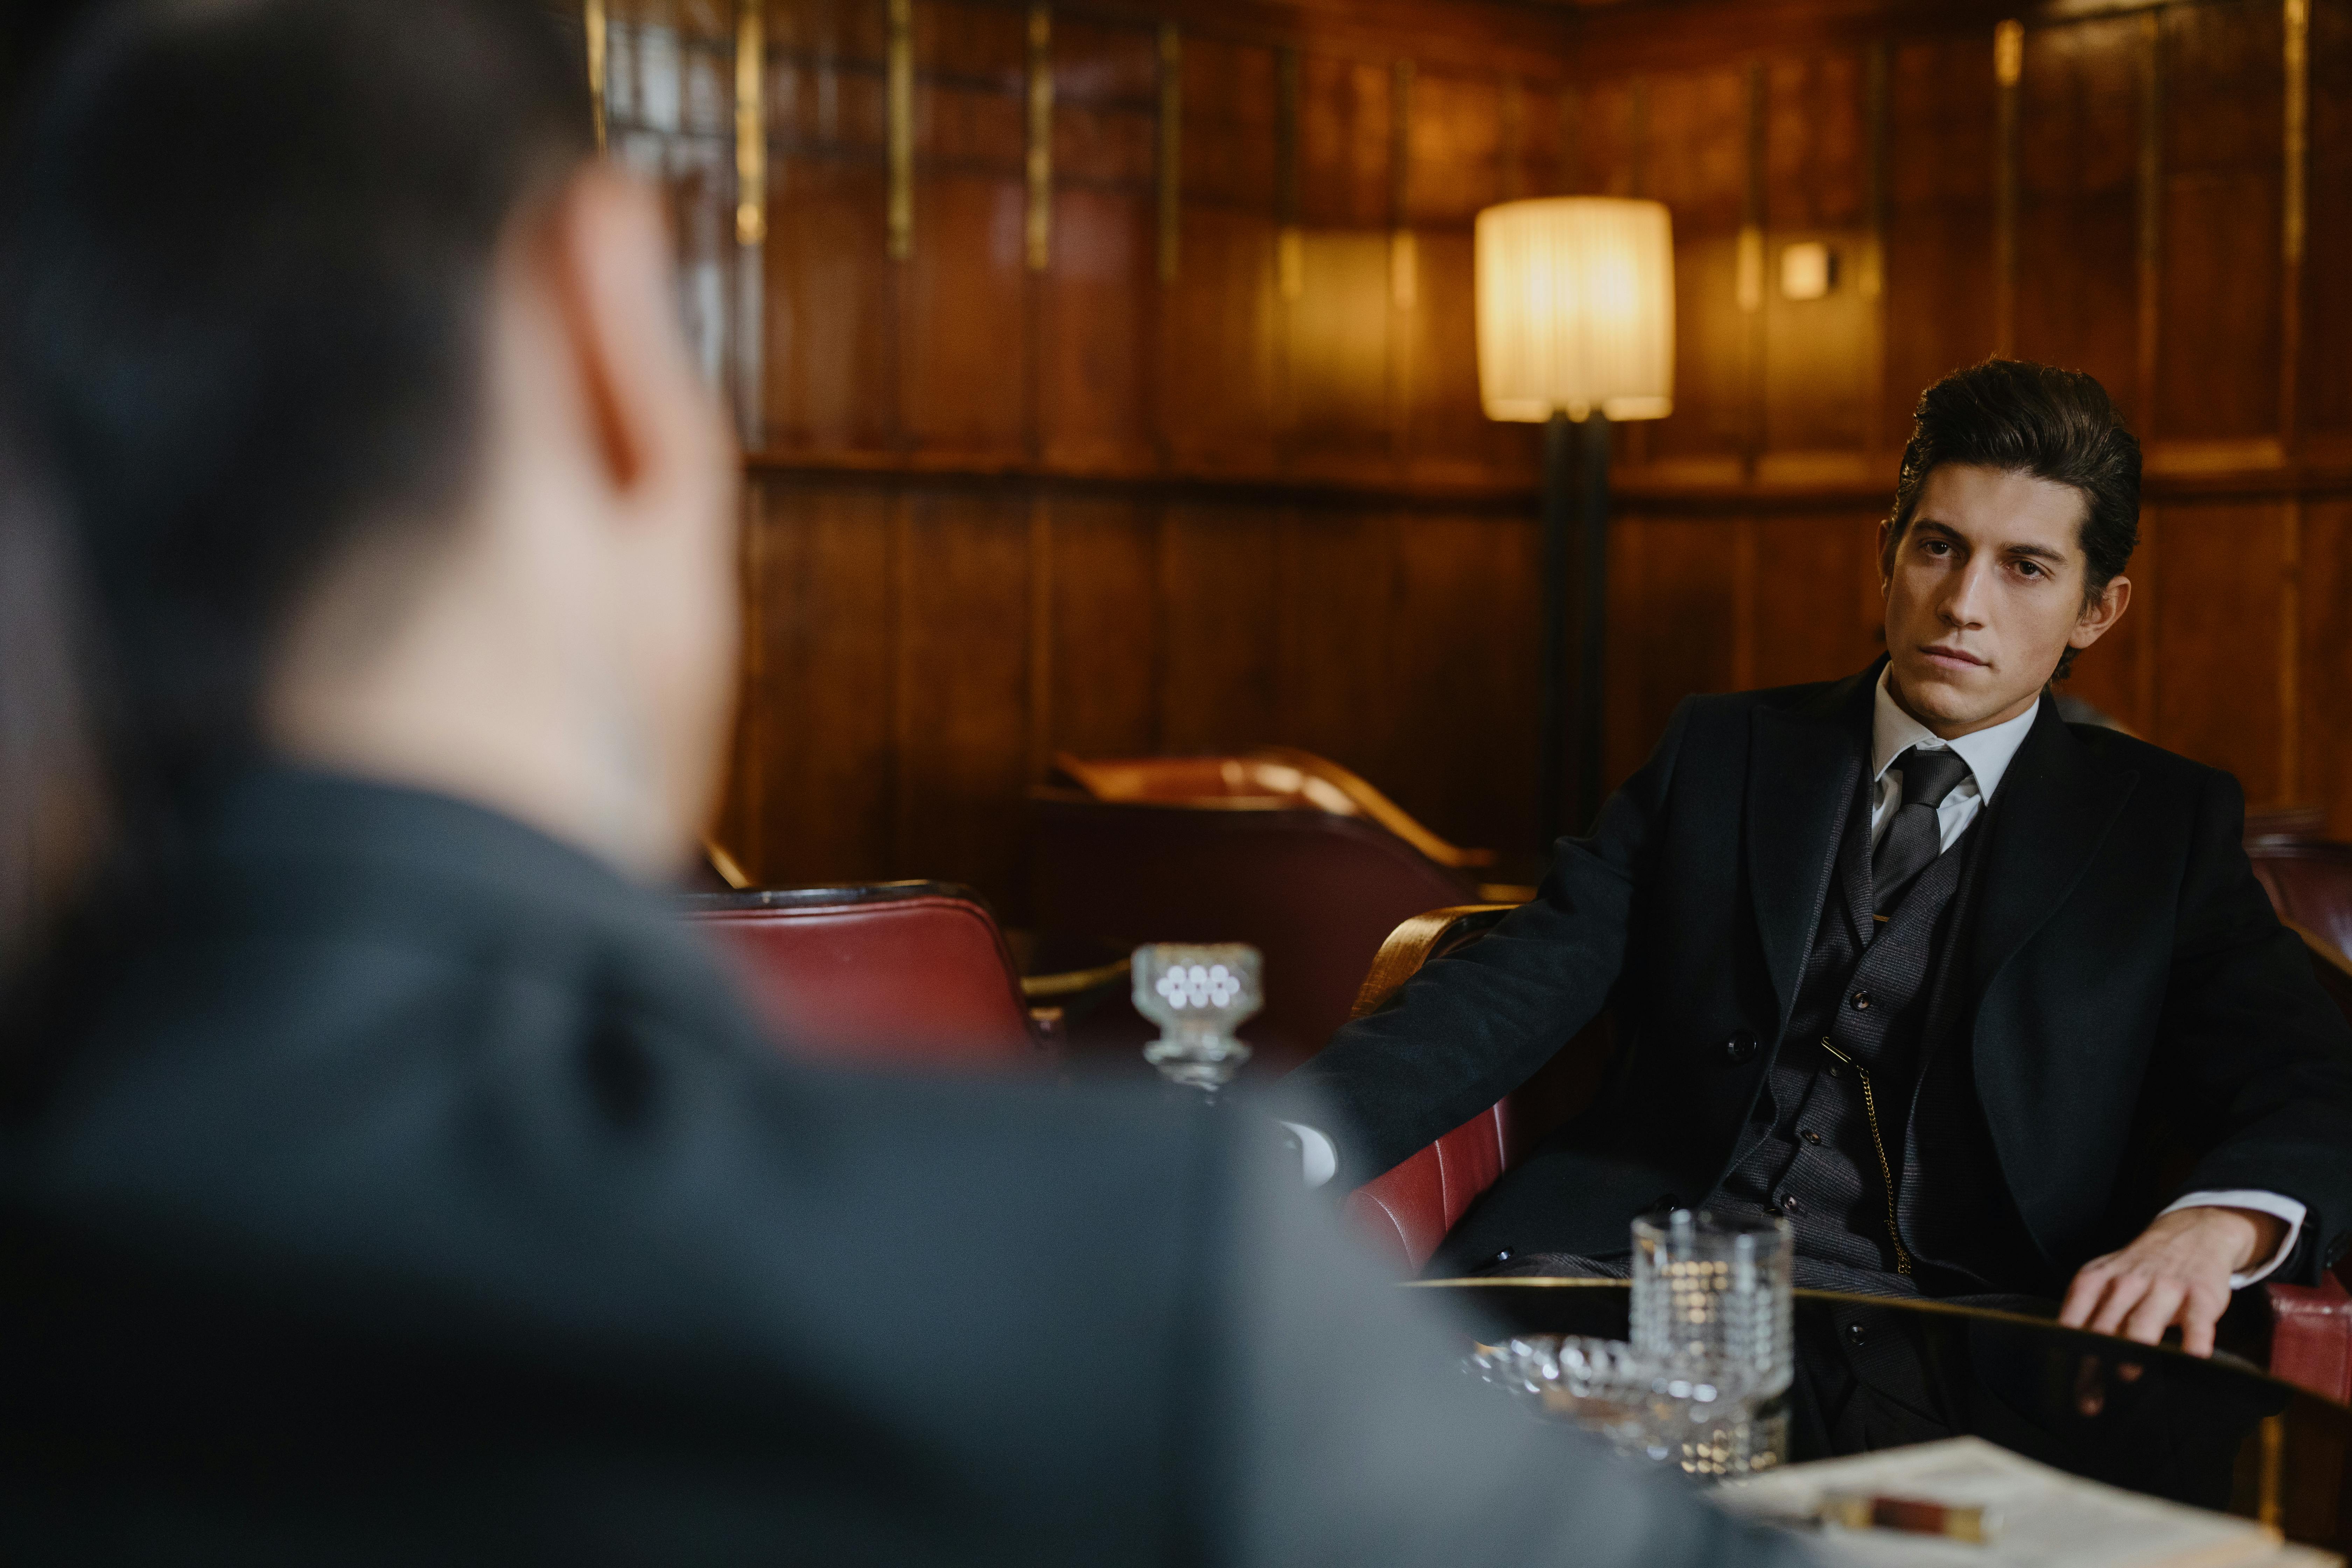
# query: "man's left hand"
x,y
2176,1272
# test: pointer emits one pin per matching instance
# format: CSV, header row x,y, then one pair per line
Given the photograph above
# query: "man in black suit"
x,y
1910,959
388,1177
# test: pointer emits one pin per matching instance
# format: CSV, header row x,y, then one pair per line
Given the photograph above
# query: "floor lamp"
x,y
1576,331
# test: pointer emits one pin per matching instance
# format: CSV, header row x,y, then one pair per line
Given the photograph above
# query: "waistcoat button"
x,y
1789,1203
1811,1136
1740,1047
1860,1001
1857,1335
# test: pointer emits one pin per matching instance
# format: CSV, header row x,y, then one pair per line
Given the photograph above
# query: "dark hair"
x,y
242,270
2027,418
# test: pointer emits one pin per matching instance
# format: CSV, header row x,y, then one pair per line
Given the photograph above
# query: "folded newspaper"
x,y
1991,1509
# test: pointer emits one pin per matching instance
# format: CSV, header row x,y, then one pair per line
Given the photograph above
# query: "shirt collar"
x,y
1988,753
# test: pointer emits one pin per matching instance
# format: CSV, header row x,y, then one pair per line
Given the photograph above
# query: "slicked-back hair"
x,y
244,271
2024,418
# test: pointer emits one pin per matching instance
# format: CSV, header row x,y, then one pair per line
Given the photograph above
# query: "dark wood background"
x,y
1107,504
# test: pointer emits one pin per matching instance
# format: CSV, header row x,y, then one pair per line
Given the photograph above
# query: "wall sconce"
x,y
1808,271
1576,328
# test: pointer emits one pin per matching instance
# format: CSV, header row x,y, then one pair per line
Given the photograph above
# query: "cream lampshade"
x,y
1576,309
1576,328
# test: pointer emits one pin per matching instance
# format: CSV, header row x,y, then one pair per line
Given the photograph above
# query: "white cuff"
x,y
1317,1154
2284,1208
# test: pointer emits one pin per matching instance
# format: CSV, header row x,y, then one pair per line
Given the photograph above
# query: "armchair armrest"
x,y
2311,1336
1405,1212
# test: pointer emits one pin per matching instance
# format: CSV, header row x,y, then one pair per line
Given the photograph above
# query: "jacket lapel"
x,y
1802,768
2054,806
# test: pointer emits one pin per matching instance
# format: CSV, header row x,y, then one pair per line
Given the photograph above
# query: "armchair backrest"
x,y
2310,884
876,974
1259,778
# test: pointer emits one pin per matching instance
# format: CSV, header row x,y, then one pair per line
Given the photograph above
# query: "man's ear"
x,y
608,256
2101,613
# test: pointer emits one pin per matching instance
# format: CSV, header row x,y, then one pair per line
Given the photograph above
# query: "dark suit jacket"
x,y
417,1192
2122,964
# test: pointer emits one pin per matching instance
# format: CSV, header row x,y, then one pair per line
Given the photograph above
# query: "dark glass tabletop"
x,y
1875,1372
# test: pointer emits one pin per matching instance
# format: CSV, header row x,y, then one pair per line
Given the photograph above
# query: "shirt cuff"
x,y
2286,1209
1319,1156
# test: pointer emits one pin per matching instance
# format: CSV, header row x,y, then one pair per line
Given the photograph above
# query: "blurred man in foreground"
x,y
389,1177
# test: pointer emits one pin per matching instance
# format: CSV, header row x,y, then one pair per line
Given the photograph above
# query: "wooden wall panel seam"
x,y
2295,157
1168,167
2151,202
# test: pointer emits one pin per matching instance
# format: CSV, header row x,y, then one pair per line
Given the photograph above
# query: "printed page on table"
x,y
2034,1516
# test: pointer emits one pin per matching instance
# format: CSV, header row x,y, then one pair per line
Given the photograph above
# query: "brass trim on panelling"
x,y
2298,122
1514,136
1169,169
1289,245
2294,195
1037,227
2008,52
2008,70
750,219
1748,265
2290,648
1570,179
750,123
1637,138
1748,269
1404,255
901,217
1871,280
592,21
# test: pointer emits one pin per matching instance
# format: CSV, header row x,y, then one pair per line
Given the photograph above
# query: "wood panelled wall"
x,y
1109,384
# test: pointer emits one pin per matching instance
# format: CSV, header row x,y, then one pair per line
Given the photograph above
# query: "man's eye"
x,y
2031,568
1936,547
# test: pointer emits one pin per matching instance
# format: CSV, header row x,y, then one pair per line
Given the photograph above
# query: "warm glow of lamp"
x,y
1576,309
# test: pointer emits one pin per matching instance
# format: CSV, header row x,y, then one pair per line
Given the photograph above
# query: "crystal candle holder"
x,y
1197,994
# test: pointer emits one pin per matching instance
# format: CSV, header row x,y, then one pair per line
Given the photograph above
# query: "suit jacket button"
x,y
1861,1001
1740,1047
1666,1201
1857,1335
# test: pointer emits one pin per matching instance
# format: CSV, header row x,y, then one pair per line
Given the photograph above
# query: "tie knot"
x,y
1930,776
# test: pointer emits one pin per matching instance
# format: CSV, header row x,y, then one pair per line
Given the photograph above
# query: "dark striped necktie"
x,y
1915,837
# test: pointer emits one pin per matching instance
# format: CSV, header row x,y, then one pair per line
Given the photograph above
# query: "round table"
x,y
2218,1434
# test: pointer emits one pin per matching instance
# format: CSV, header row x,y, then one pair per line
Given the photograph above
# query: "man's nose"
x,y
1963,606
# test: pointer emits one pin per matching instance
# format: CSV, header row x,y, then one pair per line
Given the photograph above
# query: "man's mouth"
x,y
1954,657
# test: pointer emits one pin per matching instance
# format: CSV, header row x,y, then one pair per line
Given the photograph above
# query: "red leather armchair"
x,y
1277,849
1406,1212
878,974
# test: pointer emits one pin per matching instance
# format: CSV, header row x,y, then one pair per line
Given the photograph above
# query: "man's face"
x,y
1984,594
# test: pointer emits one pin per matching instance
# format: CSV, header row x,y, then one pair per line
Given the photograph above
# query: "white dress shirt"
x,y
1988,753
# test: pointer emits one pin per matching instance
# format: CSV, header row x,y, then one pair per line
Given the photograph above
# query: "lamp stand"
x,y
1576,528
